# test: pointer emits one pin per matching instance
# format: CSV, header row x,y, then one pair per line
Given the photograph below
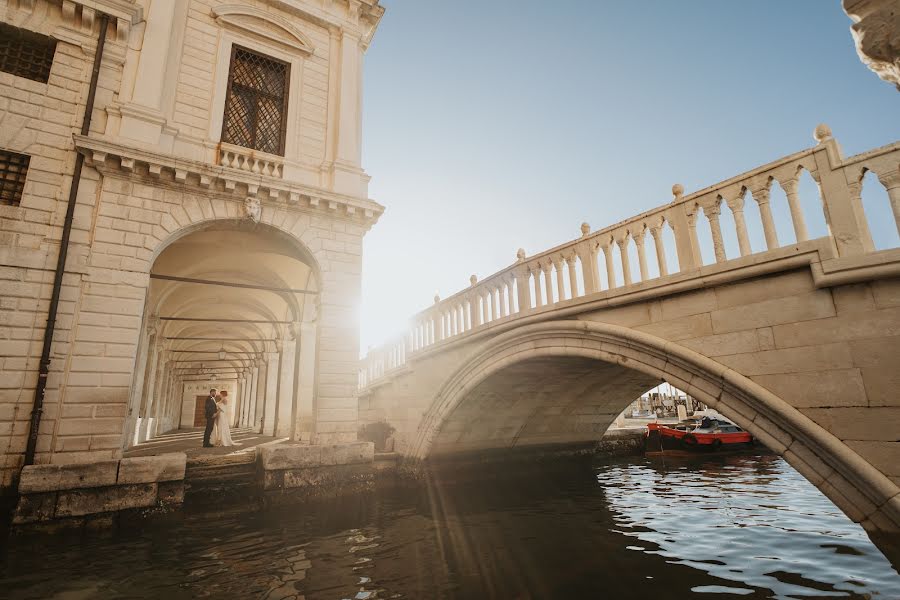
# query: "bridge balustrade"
x,y
575,272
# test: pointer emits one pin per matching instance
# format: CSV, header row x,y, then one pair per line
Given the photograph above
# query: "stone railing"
x,y
576,272
252,161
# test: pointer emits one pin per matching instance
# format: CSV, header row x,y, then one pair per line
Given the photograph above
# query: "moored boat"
x,y
710,435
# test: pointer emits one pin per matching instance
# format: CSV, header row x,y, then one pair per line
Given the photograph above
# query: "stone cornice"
x,y
114,157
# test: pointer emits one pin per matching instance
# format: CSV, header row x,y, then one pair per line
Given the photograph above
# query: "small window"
x,y
25,53
256,103
13,168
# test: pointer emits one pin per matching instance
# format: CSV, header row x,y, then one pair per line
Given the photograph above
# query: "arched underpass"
x,y
231,304
565,382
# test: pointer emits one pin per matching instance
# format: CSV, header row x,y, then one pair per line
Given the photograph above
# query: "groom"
x,y
210,410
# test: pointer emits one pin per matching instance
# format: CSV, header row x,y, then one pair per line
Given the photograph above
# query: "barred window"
x,y
25,53
13,168
256,103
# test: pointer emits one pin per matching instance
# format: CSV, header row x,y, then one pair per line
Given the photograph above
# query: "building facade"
x,y
217,206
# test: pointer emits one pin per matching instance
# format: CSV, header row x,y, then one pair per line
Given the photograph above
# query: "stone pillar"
x,y
261,395
271,393
622,243
737,210
683,221
642,255
250,418
790,190
610,265
656,233
842,203
712,216
761,195
285,405
305,419
560,279
573,275
523,296
147,93
891,182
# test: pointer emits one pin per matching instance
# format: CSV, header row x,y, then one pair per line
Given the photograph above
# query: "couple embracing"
x,y
216,410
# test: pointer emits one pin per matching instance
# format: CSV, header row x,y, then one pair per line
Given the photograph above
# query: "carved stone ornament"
x,y
252,209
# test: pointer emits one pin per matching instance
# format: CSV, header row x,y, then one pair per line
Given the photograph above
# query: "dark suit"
x,y
210,409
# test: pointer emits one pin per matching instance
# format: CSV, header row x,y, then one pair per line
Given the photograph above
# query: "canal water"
x,y
718,527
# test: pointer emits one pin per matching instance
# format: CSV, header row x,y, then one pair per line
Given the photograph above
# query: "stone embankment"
x,y
100,491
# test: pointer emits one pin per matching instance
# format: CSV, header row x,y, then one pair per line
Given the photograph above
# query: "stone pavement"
x,y
190,441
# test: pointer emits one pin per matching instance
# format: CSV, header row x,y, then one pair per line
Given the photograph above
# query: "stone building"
x,y
217,205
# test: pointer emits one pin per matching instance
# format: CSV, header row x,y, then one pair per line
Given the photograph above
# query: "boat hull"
x,y
662,439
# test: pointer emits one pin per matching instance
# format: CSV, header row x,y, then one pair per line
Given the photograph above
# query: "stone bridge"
x,y
799,342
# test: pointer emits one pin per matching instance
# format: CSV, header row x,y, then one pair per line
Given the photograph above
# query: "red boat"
x,y
710,435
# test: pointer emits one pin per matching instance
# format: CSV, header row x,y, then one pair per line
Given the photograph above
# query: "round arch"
x,y
855,486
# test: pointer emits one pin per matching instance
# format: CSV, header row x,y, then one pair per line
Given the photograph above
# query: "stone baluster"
x,y
761,195
495,296
891,182
454,320
656,233
737,210
547,267
560,279
587,251
641,252
712,216
522,292
571,261
622,243
610,265
790,190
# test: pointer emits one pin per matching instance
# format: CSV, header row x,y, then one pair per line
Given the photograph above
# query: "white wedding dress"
x,y
222,433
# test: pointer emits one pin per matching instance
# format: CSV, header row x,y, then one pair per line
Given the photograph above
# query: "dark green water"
x,y
722,527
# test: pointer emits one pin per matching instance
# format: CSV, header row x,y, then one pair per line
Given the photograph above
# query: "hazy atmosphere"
x,y
490,126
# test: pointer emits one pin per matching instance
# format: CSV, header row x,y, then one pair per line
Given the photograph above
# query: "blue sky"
x,y
494,125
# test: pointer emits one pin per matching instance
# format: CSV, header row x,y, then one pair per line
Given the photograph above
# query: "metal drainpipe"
x,y
44,369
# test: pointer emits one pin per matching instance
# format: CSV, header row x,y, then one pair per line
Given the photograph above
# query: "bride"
x,y
222,433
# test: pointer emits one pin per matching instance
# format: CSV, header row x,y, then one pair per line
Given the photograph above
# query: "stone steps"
x,y
220,473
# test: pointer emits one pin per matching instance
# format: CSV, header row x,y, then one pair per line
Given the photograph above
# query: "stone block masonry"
x,y
54,492
316,470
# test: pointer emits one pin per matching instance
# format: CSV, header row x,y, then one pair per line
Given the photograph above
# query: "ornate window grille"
x,y
13,169
25,53
256,103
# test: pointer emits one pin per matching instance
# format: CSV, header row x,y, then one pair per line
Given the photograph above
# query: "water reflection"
x,y
730,527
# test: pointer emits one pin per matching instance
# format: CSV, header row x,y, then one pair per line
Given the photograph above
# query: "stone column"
x,y
286,365
712,215
610,265
560,279
523,295
271,393
761,195
571,261
656,233
622,243
547,267
305,419
790,190
260,401
683,221
737,209
642,258
891,182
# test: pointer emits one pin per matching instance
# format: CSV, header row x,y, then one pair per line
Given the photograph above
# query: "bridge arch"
x,y
855,486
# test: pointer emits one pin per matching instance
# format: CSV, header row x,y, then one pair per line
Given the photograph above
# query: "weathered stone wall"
x,y
38,119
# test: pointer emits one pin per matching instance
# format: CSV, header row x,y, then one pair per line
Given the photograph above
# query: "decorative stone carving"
x,y
876,31
252,208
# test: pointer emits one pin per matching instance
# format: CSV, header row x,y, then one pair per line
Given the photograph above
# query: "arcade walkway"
x,y
190,441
